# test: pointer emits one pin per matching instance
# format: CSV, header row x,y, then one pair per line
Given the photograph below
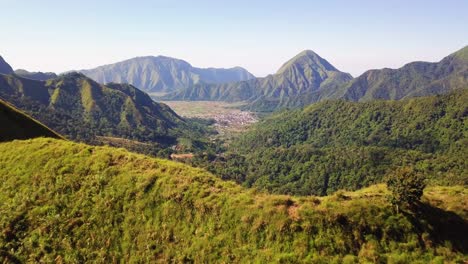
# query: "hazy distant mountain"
x,y
5,68
40,76
305,73
413,79
163,74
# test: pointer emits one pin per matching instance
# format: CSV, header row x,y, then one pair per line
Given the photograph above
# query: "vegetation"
x,y
307,78
345,145
17,125
305,73
83,110
68,202
406,186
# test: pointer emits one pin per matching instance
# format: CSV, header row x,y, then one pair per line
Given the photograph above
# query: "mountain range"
x,y
40,76
82,109
163,74
308,78
305,73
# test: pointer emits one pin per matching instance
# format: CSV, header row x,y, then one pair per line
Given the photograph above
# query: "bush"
x,y
407,187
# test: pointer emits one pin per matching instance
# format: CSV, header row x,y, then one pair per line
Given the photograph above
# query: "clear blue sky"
x,y
354,36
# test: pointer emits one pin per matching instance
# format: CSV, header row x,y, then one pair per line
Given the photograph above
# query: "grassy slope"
x,y
17,125
63,201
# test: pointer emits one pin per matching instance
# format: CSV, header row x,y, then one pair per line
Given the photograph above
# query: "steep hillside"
x,y
413,79
338,144
82,109
67,202
163,74
40,76
17,125
5,68
305,73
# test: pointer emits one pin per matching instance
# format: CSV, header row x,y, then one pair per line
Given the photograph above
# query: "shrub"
x,y
406,186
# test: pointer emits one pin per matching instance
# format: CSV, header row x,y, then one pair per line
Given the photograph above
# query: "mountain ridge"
x,y
312,79
5,68
80,108
305,73
162,73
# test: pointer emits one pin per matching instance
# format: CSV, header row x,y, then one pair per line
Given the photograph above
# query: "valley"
x,y
228,119
149,159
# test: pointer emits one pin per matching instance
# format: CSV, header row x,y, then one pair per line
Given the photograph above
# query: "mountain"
x,y
163,74
305,73
73,203
413,79
81,109
17,125
307,78
336,145
40,76
5,68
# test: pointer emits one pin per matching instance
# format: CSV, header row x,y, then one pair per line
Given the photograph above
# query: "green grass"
x,y
69,202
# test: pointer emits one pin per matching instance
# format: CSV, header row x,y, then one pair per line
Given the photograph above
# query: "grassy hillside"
x,y
338,144
68,202
17,125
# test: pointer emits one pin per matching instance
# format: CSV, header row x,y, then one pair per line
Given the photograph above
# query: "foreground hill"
x,y
339,144
163,74
84,110
68,202
17,125
305,73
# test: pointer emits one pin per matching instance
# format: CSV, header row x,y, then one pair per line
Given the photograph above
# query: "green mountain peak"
x,y
306,59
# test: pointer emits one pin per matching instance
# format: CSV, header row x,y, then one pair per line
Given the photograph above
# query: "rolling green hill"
x,y
334,145
73,203
163,74
84,110
17,125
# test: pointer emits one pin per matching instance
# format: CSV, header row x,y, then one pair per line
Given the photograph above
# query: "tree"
x,y
407,187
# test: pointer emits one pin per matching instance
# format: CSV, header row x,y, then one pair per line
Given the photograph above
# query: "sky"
x,y
353,35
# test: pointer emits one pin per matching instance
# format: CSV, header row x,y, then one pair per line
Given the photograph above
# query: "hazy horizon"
x,y
258,36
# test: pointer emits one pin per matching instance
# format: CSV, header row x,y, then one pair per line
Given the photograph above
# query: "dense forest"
x,y
336,145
